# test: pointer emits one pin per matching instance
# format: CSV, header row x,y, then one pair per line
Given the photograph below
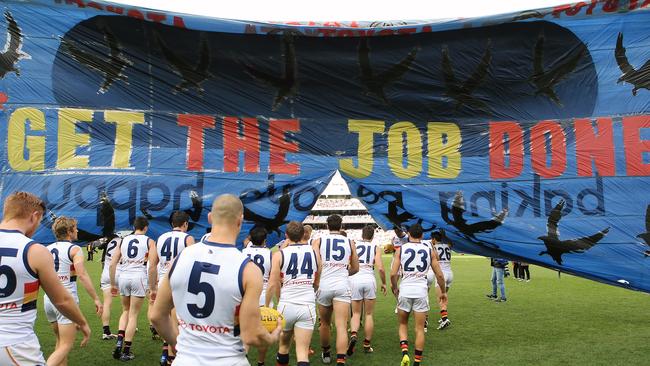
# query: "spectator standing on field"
x,y
498,268
523,269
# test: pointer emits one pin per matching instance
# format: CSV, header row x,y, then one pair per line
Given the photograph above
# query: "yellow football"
x,y
270,318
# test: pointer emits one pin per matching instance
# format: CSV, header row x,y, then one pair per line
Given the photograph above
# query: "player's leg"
x,y
419,336
325,316
355,324
303,339
55,330
403,322
124,319
134,312
106,315
341,317
369,324
64,343
501,283
284,346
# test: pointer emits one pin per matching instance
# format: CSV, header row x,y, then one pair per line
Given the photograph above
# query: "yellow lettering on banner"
x,y
438,148
123,135
69,140
413,150
17,141
365,155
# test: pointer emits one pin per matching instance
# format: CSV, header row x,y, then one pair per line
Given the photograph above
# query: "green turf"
x,y
549,321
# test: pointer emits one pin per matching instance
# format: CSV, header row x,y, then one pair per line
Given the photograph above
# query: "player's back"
x,y
168,247
415,263
135,250
366,251
207,289
298,269
109,252
444,255
63,265
335,251
19,290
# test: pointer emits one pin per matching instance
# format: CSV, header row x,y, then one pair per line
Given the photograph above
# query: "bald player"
x,y
213,328
25,266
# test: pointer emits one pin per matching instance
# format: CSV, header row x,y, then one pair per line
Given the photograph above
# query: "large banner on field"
x,y
525,136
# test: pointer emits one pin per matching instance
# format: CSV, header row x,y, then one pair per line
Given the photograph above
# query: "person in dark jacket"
x,y
498,268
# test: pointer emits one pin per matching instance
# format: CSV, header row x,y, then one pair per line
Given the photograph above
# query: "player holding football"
x,y
294,276
414,258
364,288
30,266
338,256
133,251
216,291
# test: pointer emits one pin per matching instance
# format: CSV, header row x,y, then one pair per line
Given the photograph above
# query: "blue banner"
x,y
524,136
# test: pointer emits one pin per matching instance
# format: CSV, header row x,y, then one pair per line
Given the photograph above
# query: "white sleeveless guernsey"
x,y
135,251
169,246
261,256
335,251
415,263
64,265
366,251
298,270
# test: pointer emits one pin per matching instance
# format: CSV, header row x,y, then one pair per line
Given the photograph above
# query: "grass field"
x,y
549,321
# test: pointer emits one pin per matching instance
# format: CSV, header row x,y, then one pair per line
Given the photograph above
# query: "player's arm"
x,y
319,269
153,268
117,255
40,260
252,331
379,264
395,270
274,279
315,245
440,277
354,259
159,314
78,259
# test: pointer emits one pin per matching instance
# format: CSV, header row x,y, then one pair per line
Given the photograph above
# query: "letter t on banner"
x,y
195,124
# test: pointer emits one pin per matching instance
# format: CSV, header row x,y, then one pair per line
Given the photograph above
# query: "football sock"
x,y
405,347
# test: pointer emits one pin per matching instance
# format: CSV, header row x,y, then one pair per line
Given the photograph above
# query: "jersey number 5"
x,y
195,286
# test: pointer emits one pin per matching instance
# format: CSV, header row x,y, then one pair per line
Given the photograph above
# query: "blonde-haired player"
x,y
339,260
216,290
25,266
69,266
364,288
168,246
294,277
415,259
134,252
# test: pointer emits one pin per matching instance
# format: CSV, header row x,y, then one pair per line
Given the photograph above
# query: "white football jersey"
x,y
64,266
366,251
415,263
18,289
444,255
399,241
298,271
261,256
135,252
205,236
110,250
207,289
335,251
169,246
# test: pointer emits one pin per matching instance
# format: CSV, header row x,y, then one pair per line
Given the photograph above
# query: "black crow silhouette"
x,y
375,84
12,52
287,85
272,224
107,215
546,80
638,78
457,211
191,76
646,236
555,247
111,67
400,219
461,92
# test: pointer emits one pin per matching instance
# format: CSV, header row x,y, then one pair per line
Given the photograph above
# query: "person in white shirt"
x,y
364,288
105,286
442,247
69,266
215,289
294,276
133,251
168,246
31,267
414,258
338,256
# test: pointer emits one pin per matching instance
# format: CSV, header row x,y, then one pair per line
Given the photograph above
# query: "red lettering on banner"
x,y
234,142
156,17
610,6
327,32
632,5
115,9
92,4
635,148
538,151
559,9
591,7
385,32
345,33
134,13
427,29
179,22
597,148
645,3
498,153
575,9
195,125
278,146
406,30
